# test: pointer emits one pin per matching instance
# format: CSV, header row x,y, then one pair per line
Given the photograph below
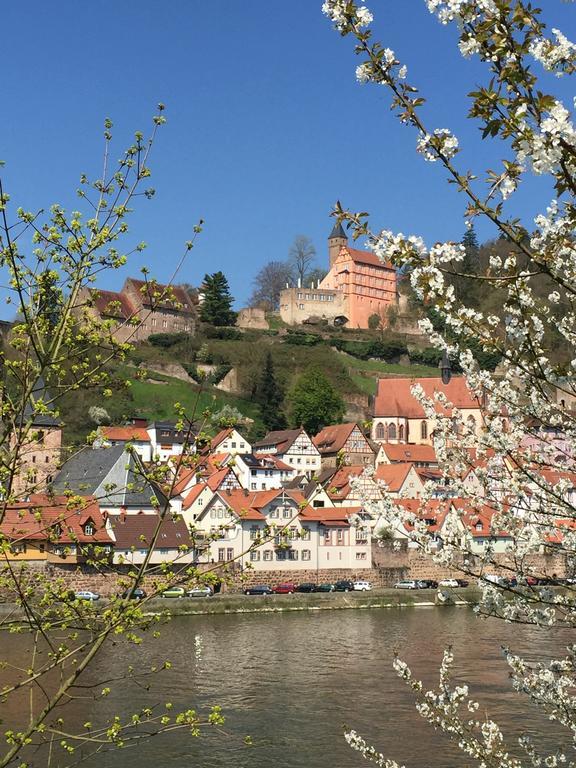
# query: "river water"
x,y
294,681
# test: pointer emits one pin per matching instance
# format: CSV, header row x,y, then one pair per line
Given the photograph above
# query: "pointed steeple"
x,y
337,231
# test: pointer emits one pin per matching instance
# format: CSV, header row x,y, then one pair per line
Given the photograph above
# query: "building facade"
x,y
357,286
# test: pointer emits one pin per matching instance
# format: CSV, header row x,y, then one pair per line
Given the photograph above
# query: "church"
x,y
357,286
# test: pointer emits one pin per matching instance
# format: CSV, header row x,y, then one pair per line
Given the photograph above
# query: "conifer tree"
x,y
216,307
269,397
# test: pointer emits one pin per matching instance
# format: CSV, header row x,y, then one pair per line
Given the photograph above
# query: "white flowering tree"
x,y
524,458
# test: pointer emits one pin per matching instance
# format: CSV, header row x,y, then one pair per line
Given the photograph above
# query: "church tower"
x,y
336,239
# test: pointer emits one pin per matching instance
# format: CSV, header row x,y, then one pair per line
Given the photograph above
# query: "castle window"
x,y
391,431
300,306
424,430
401,432
380,432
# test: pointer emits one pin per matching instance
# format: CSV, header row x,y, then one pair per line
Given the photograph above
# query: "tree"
x,y
216,306
301,256
315,276
314,403
528,436
272,278
269,397
56,349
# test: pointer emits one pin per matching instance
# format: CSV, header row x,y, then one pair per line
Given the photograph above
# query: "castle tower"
x,y
336,239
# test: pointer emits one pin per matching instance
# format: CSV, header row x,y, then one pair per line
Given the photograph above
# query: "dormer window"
x,y
89,528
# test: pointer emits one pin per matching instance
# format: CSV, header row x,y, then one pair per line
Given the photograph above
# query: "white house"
x,y
262,472
294,447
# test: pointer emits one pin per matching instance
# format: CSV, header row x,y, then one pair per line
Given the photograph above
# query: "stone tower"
x,y
336,239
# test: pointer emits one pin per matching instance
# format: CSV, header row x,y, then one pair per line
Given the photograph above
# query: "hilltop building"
x,y
357,286
158,309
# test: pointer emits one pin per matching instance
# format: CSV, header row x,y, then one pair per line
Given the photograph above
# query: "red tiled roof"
x,y
112,304
394,396
220,437
333,439
367,257
215,481
193,494
36,520
126,434
394,475
398,452
162,296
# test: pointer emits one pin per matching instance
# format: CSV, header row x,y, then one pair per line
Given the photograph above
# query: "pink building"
x,y
357,286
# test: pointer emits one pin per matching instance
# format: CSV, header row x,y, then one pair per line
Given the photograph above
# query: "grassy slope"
x,y
155,399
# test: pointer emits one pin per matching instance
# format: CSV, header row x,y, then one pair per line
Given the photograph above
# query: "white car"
x,y
204,591
86,594
362,586
448,583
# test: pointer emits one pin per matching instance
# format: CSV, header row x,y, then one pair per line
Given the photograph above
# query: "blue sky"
x,y
266,128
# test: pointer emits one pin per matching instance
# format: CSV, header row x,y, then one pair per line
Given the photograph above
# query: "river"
x,y
293,682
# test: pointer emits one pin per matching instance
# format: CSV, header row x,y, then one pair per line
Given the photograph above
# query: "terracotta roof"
x,y
217,479
398,452
138,530
162,296
126,434
367,257
394,396
112,304
36,520
394,475
333,439
193,494
222,435
434,512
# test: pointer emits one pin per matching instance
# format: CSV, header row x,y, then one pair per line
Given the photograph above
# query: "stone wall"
x,y
420,566
252,317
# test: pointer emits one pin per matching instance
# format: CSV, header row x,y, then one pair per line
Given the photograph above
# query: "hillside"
x,y
152,393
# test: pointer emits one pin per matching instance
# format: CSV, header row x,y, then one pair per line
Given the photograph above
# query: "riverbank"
x,y
239,603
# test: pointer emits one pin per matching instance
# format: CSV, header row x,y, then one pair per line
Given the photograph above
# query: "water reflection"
x,y
293,681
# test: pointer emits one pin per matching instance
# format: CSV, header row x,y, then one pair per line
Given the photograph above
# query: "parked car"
x,y
462,582
174,592
362,586
134,594
406,584
427,584
284,589
448,583
200,591
306,587
86,594
344,586
324,588
260,589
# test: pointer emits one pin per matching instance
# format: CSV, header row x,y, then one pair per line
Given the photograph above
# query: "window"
x,y
360,555
305,534
340,536
327,536
254,532
293,532
300,306
18,548
280,554
305,554
287,513
33,458
47,460
292,554
318,503
423,430
233,445
252,486
221,553
254,555
229,554
380,432
89,529
391,431
401,432
267,554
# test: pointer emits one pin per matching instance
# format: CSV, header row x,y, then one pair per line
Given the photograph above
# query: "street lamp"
x,y
445,368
